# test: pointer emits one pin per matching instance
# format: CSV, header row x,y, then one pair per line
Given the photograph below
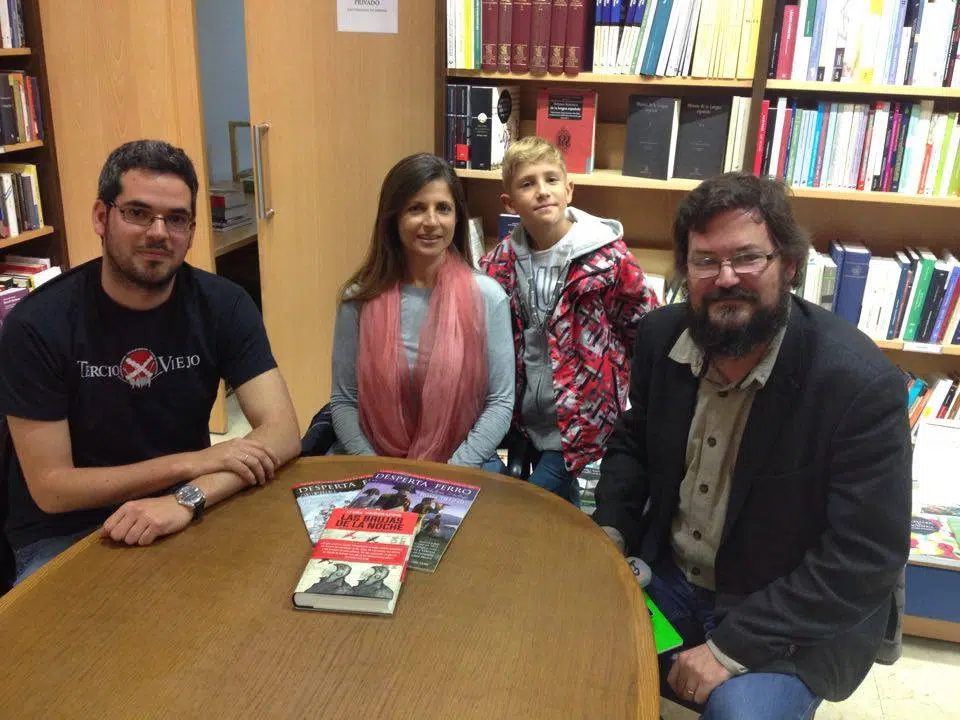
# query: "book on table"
x,y
359,563
318,499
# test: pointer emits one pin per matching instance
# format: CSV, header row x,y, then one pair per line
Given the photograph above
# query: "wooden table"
x,y
531,614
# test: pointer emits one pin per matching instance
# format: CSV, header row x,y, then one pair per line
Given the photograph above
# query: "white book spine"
x,y
731,134
902,59
771,169
9,204
673,137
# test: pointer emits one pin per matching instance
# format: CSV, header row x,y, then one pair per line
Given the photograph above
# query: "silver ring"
x,y
691,693
244,458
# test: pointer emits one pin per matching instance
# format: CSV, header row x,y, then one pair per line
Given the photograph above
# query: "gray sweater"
x,y
494,421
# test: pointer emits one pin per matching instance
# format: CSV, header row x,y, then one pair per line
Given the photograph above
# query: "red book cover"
x,y
540,37
505,34
925,168
761,138
784,142
32,131
490,37
788,41
522,16
576,34
568,119
558,36
359,563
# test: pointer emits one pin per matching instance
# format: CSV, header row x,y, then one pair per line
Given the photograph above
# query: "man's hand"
x,y
696,673
140,522
249,459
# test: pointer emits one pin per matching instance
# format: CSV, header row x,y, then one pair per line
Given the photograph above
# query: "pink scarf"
x,y
426,414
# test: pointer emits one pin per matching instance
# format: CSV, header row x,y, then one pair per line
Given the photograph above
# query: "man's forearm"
x,y
282,437
82,488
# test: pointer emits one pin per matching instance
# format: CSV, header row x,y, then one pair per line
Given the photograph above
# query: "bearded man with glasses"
x,y
109,372
763,470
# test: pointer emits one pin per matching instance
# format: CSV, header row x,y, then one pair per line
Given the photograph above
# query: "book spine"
x,y
829,118
817,40
558,36
788,42
540,37
922,282
776,40
950,295
576,35
865,156
901,146
931,305
761,139
952,48
490,35
522,17
505,36
902,289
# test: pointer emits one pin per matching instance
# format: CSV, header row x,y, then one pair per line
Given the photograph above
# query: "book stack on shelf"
x,y
20,114
893,42
669,38
229,208
19,275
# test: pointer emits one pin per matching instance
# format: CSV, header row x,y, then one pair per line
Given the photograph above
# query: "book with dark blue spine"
x,y
851,280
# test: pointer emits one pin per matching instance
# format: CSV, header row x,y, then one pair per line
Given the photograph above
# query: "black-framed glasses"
x,y
747,263
178,223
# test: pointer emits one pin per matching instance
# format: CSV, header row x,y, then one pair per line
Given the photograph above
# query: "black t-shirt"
x,y
133,384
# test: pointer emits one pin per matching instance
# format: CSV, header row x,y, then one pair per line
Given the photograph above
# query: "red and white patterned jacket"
x,y
591,336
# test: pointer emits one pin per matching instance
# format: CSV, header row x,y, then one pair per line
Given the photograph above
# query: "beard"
x,y
735,341
126,269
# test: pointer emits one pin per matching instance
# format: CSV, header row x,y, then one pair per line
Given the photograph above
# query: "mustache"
x,y
734,293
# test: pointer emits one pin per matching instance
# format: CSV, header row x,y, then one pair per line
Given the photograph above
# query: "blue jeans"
x,y
550,473
752,696
35,555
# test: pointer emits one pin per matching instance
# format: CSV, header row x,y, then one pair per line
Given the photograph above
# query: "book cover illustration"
x,y
932,535
359,563
568,119
317,500
441,505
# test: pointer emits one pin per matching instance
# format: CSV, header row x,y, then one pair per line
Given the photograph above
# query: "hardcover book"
x,y
441,506
701,139
651,136
568,119
359,563
494,124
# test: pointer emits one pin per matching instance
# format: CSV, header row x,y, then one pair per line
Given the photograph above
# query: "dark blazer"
x,y
817,529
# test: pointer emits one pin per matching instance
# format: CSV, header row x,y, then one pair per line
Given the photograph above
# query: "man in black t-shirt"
x,y
108,374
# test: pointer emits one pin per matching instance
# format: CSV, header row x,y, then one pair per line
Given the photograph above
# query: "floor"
x,y
923,685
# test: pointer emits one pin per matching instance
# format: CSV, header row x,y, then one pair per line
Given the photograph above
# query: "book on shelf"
x,y
21,208
12,33
477,240
652,124
567,118
704,126
505,225
934,536
359,562
690,38
20,115
481,122
900,147
883,42
19,275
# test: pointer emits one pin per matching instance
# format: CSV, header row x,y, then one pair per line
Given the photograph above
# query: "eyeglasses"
x,y
177,223
748,263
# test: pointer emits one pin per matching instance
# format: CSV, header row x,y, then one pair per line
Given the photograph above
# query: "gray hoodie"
x,y
541,276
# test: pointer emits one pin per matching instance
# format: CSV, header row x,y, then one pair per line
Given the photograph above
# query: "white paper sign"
x,y
936,462
369,16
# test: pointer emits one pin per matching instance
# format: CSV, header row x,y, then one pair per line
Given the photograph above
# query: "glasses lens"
x,y
749,263
177,223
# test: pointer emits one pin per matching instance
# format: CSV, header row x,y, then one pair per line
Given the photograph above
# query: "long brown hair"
x,y
385,263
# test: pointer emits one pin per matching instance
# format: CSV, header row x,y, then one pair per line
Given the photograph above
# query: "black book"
x,y
702,138
651,136
461,112
907,111
450,125
931,304
23,219
877,183
494,122
8,117
775,39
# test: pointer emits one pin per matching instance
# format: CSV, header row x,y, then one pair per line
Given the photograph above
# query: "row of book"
x,y
934,398
884,146
19,275
229,208
910,297
481,122
536,36
21,117
885,42
12,34
21,208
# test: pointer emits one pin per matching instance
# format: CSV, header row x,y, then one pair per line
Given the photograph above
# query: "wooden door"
x,y
119,71
342,109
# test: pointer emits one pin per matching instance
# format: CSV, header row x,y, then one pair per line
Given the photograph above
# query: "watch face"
x,y
190,495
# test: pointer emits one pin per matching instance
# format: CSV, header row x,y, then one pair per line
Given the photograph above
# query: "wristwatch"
x,y
192,498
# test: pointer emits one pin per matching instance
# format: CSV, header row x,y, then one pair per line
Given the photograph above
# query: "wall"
x,y
223,80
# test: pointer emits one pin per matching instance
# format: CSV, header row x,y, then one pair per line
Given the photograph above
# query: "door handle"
x,y
263,212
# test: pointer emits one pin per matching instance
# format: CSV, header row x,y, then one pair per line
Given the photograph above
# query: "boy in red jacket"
x,y
576,295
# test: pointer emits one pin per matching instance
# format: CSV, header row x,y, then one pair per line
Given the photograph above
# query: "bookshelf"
x,y
47,241
883,221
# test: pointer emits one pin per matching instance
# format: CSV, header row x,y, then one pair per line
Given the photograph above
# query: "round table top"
x,y
531,613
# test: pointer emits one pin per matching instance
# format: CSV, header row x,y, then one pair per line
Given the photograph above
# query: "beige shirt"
x,y
713,444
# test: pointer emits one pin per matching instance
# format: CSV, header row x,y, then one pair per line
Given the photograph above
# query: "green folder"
x,y
665,637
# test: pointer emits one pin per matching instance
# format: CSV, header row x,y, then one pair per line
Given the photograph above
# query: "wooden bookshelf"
x,y
886,198
15,52
950,350
600,178
24,237
21,146
589,78
849,88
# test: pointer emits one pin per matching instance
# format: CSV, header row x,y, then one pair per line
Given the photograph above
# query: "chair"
x,y
8,567
320,437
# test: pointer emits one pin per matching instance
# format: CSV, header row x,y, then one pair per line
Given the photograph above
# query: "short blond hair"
x,y
529,150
